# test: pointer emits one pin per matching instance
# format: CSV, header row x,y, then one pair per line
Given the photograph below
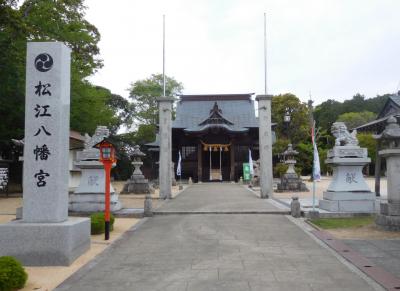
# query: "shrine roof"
x,y
238,109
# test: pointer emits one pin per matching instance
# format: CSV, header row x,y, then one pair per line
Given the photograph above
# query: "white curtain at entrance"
x,y
220,168
209,148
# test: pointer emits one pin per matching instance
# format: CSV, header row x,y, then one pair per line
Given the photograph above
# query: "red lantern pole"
x,y
107,169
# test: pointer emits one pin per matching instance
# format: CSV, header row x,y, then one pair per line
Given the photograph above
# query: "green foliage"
x,y
12,274
64,21
279,170
144,94
328,112
354,119
97,223
298,129
366,140
305,157
351,222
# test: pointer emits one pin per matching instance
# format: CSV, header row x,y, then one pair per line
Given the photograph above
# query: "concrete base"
x,y
92,202
45,244
387,222
348,202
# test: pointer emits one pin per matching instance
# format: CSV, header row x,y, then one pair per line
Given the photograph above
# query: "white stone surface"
x,y
348,190
393,179
45,179
349,195
265,141
165,108
45,236
90,194
45,244
354,206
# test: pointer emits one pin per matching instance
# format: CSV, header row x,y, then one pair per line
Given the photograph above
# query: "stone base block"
x,y
364,206
92,202
387,222
132,187
45,244
349,195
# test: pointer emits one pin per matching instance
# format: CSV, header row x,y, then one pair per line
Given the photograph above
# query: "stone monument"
x,y
348,191
46,236
265,141
90,194
164,176
389,217
137,184
290,181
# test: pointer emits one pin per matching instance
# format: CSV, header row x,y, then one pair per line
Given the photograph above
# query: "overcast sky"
x,y
333,48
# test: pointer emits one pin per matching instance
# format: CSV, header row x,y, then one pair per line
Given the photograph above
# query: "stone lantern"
x,y
389,217
137,184
290,181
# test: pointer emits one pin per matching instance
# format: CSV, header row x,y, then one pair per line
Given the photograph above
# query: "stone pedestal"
x,y
348,191
265,141
389,218
165,111
46,236
290,181
90,195
137,184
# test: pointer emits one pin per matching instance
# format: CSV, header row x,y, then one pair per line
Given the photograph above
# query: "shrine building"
x,y
214,134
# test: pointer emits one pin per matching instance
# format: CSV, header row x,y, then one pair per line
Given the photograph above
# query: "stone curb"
x,y
309,229
219,212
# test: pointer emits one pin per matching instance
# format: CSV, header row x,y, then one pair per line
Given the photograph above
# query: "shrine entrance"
x,y
216,162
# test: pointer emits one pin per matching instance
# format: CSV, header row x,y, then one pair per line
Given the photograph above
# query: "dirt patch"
x,y
364,232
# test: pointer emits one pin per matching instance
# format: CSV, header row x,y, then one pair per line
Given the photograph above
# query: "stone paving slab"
x,y
217,197
216,251
265,252
384,253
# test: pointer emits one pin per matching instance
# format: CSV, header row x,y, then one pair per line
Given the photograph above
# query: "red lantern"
x,y
107,157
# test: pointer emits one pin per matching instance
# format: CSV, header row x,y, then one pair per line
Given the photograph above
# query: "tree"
x,y
354,119
299,125
49,20
144,94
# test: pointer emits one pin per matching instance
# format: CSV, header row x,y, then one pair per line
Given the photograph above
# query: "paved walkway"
x,y
216,252
220,198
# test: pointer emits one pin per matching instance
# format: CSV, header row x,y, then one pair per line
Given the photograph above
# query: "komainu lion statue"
x,y
343,136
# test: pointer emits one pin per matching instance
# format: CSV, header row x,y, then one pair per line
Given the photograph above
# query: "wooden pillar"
x,y
378,171
232,154
199,163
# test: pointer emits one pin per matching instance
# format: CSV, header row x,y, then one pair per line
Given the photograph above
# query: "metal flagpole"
x,y
265,54
164,55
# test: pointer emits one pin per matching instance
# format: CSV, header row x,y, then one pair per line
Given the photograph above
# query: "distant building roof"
x,y
391,108
237,109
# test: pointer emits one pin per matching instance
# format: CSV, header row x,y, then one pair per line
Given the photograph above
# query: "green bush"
x,y
12,274
97,223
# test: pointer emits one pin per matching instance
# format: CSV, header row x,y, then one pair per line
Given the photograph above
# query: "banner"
x,y
251,164
316,165
178,168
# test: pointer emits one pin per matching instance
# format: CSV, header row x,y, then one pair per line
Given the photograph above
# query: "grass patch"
x,y
350,222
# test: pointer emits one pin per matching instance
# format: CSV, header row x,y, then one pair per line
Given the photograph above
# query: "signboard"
x,y
3,178
246,172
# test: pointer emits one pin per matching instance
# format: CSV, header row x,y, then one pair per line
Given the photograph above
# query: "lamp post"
x,y
107,157
287,119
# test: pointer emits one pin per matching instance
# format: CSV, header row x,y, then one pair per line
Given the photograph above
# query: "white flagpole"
x,y
313,170
265,54
164,55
